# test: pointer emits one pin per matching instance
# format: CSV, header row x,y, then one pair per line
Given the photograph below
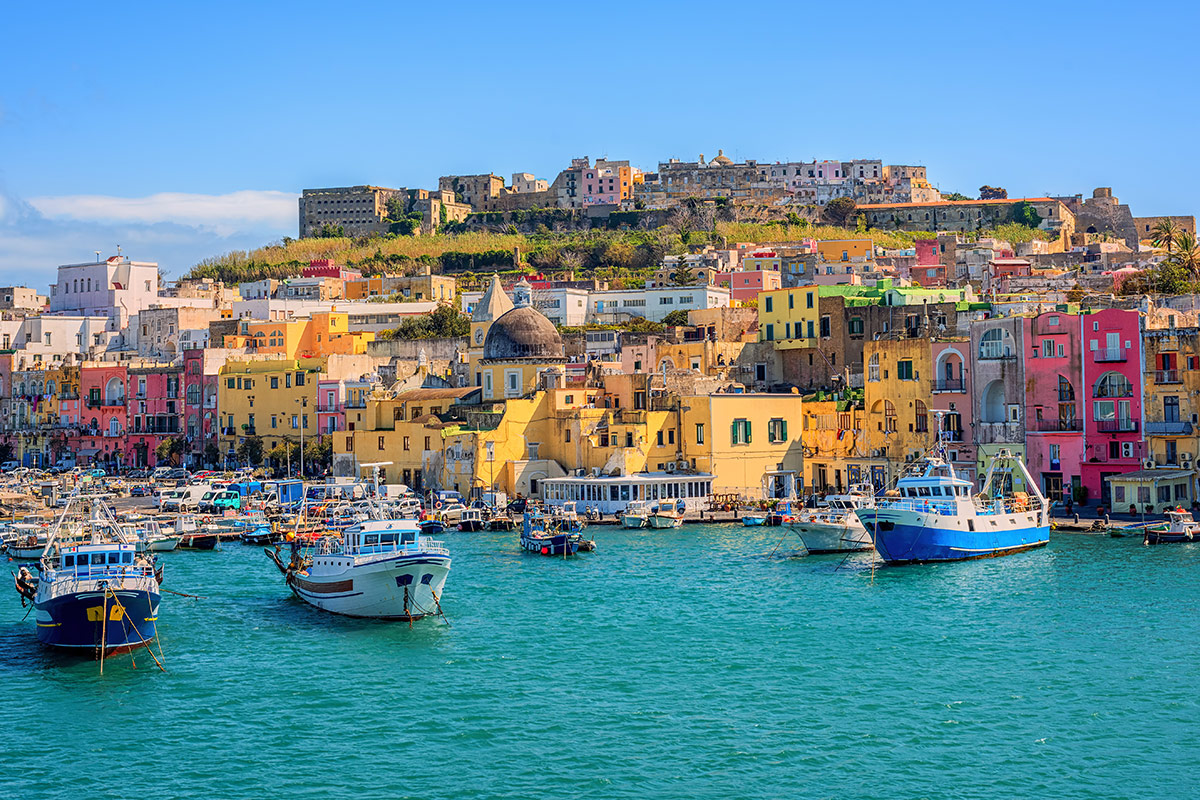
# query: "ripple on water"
x,y
705,662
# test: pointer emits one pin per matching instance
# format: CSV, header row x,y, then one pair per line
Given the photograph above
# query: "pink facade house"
x,y
745,286
1112,383
950,393
1054,396
331,413
155,408
103,426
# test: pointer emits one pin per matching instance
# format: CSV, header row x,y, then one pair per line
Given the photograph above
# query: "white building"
x,y
98,288
564,306
619,305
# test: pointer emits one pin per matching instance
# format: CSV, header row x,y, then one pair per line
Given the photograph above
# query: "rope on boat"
x,y
124,618
182,594
438,604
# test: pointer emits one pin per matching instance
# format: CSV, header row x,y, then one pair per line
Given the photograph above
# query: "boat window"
x,y
114,558
408,537
97,558
68,561
387,538
923,491
936,491
127,558
371,538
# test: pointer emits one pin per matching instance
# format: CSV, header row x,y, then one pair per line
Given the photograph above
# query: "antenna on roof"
x,y
97,252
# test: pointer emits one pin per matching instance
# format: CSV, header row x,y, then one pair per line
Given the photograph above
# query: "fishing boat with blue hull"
x,y
539,537
931,515
95,593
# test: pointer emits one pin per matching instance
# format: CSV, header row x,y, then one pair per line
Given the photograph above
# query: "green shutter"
x,y
733,433
747,424
783,430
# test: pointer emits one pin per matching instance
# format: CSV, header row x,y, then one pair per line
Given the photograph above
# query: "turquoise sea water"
x,y
691,663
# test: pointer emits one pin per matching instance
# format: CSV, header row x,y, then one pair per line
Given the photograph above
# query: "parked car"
x,y
138,475
8,466
177,474
140,490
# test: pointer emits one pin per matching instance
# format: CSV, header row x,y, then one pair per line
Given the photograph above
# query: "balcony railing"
x,y
1114,391
1173,428
952,436
948,385
1053,425
995,354
1110,354
1116,425
1166,376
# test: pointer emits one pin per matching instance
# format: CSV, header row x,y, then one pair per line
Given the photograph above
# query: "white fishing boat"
x,y
379,568
636,515
835,528
665,516
27,540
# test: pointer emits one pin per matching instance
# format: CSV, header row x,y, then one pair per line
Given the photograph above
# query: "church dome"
x,y
522,333
721,159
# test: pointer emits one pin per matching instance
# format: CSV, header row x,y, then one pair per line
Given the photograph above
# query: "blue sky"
x,y
181,132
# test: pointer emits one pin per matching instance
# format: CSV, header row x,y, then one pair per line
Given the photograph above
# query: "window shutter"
x,y
733,433
747,424
783,430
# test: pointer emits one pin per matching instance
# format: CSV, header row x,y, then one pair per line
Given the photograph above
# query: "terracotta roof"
x,y
870,207
436,394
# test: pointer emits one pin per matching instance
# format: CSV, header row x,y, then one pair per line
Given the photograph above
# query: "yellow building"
x,y
846,250
898,395
326,333
274,399
789,317
439,288
837,454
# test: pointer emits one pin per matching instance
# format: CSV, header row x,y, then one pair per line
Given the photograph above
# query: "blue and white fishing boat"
x,y
538,537
931,515
95,593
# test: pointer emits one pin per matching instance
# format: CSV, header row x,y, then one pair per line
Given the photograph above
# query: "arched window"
x,y
1066,392
1113,384
995,343
889,416
873,368
921,417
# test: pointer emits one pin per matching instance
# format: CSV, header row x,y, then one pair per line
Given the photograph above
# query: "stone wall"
x,y
410,349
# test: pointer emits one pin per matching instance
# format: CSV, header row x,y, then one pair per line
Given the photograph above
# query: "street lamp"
x,y
303,401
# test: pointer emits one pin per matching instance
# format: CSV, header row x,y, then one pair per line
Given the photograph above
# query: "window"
x,y
904,370
671,436
299,378
873,368
405,443
770,304
1171,409
275,382
740,432
856,326
777,431
699,433
791,300
826,327
567,435
660,438
1047,348
808,300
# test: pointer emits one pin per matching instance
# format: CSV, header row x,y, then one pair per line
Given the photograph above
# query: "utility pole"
x,y
303,408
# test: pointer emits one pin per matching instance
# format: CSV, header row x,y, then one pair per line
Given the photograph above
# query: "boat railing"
x,y
428,545
940,507
69,578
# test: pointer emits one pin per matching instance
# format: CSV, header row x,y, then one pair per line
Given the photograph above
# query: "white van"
x,y
190,496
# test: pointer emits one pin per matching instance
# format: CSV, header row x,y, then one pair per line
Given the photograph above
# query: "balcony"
x,y
1173,428
995,353
952,436
1057,425
1116,425
1113,391
999,433
1166,376
949,385
1110,355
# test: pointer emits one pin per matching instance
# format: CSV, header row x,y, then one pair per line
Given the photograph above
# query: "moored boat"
x,y
835,528
1180,527
470,519
94,593
636,515
665,516
538,537
931,515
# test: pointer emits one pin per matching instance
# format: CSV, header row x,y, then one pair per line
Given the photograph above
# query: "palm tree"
x,y
1166,233
1186,253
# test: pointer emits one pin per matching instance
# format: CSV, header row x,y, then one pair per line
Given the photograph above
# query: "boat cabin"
x,y
381,537
90,559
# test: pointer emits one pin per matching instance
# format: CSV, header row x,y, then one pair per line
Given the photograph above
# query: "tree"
x,y
212,454
443,322
171,450
683,275
955,197
318,454
1186,255
839,210
1024,214
643,325
992,193
676,317
1165,233
6,452
328,231
250,450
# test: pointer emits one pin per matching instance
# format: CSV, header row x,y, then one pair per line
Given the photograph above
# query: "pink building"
x,y
927,251
1112,386
326,268
1054,393
950,393
746,285
103,425
155,409
331,413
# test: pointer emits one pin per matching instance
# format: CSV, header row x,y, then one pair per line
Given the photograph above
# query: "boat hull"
x,y
77,621
23,553
199,542
163,545
633,522
821,537
909,537
397,588
553,545
663,523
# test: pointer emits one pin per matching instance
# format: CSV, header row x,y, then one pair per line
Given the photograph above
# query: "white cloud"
x,y
223,214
